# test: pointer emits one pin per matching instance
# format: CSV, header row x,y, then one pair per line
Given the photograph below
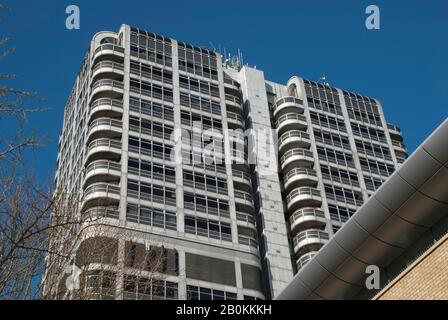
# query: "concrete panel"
x,y
437,186
436,144
394,192
420,169
372,215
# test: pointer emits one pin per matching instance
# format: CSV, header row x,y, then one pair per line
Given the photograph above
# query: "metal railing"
x,y
104,143
288,99
109,46
102,187
103,164
302,191
290,116
247,218
294,134
108,64
306,212
303,260
248,241
322,236
244,196
101,212
108,102
298,171
107,82
241,174
105,122
234,99
296,152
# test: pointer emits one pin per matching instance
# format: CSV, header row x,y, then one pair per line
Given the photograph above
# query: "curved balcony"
x,y
298,157
104,127
239,160
399,146
242,180
246,220
234,104
395,132
287,104
105,108
293,139
232,87
235,121
102,171
106,149
101,194
244,201
309,240
95,213
307,218
248,241
304,259
108,69
109,51
107,88
300,177
303,197
236,138
290,121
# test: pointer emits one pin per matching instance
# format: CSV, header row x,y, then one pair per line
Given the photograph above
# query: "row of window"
x,y
206,204
151,170
327,121
198,69
205,182
202,159
151,90
151,72
151,40
208,228
199,103
151,216
372,149
377,167
368,132
331,138
362,109
149,55
199,293
324,106
155,129
191,118
321,92
343,194
339,213
372,183
152,192
204,87
334,156
339,175
151,148
149,289
152,109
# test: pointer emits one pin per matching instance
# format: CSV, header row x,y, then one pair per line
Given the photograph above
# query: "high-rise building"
x,y
237,181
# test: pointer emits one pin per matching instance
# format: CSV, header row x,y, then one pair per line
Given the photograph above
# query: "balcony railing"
x,y
284,100
103,164
299,171
295,134
288,117
104,143
306,212
321,236
302,191
101,212
247,218
303,260
234,99
248,241
105,122
107,82
106,102
108,64
103,188
107,47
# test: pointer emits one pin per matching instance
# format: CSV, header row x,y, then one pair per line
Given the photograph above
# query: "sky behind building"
x,y
403,64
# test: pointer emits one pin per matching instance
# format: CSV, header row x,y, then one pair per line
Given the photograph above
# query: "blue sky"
x,y
404,64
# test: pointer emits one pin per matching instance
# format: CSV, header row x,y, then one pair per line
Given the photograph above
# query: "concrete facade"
x,y
135,95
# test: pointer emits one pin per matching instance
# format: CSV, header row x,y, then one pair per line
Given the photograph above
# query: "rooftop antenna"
x,y
323,80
